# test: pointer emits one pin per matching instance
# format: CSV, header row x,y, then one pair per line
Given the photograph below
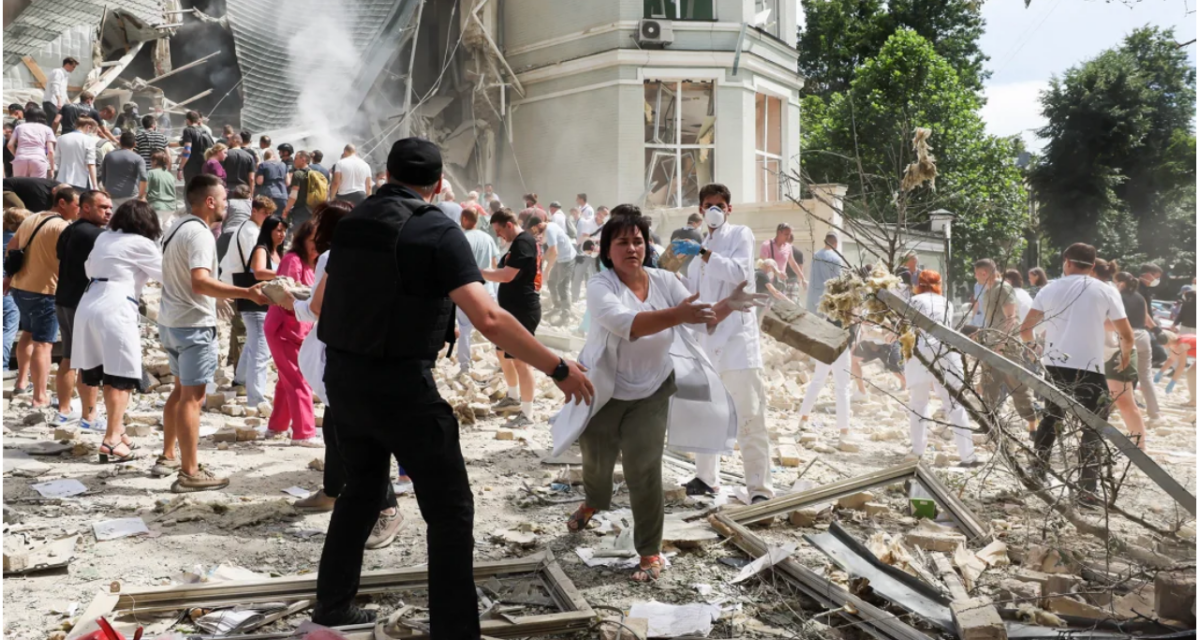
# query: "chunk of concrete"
x,y
1175,596
804,331
234,410
629,629
876,509
1016,591
789,456
847,446
934,540
66,432
246,434
855,500
1072,606
504,434
225,435
977,619
806,517
139,430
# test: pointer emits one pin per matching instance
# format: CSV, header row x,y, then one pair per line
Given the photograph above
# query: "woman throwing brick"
x,y
648,372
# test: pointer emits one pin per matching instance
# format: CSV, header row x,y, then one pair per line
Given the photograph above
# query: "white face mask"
x,y
714,217
1153,283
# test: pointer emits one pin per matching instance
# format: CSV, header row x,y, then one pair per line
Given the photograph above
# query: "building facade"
x,y
607,114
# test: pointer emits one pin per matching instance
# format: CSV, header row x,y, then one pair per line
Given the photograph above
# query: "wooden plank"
x,y
112,72
1048,391
784,504
36,70
963,517
176,70
947,574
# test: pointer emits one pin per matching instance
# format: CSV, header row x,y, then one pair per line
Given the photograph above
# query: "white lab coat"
x,y
950,362
312,350
735,343
106,321
702,417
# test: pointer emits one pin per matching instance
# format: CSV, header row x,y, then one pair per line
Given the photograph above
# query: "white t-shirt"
x,y
354,171
76,152
1024,303
56,88
191,246
585,228
1075,309
557,238
559,218
245,237
642,364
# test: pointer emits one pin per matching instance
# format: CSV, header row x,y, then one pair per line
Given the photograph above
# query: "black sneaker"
x,y
343,617
697,487
758,499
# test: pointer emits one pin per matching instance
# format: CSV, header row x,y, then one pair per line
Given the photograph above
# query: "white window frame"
x,y
763,153
678,146
679,11
773,5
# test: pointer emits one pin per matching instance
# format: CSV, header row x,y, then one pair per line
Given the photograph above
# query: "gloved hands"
x,y
740,300
685,247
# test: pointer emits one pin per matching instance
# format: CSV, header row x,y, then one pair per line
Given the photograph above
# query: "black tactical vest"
x,y
366,310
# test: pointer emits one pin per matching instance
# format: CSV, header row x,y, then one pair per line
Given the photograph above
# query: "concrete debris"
x,y
279,288
1034,615
1175,596
856,500
627,629
526,539
807,332
977,619
1018,591
317,464
66,432
21,559
933,537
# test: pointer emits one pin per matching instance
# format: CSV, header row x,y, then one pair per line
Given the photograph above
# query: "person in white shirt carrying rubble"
x,y
726,259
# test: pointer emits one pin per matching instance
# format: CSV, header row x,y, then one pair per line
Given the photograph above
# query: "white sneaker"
x,y
65,418
312,443
99,425
858,396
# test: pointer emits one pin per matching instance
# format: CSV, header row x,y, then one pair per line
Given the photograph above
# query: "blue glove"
x,y
685,247
1170,386
1158,376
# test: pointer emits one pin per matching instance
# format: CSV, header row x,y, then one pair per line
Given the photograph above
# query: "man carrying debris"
x,y
483,249
726,260
828,264
297,210
1075,309
351,177
385,314
187,328
194,141
999,303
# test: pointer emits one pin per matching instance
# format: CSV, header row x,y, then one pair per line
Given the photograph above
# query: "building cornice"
x,y
661,58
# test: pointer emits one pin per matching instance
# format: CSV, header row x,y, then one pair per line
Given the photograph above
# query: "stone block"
x,y
139,430
1025,574
846,446
504,434
233,410
789,456
264,409
807,332
805,517
876,509
1072,606
246,434
1016,591
808,439
66,432
225,435
253,422
144,417
1060,583
977,619
855,500
674,494
1175,596
934,540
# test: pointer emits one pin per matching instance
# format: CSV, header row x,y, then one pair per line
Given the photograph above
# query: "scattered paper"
x,y
297,491
206,430
669,620
401,488
219,573
772,557
64,488
119,528
225,621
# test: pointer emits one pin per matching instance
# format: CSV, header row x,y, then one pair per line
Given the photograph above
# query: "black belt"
x,y
95,280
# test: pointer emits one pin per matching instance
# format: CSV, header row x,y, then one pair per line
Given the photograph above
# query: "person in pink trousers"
x,y
293,396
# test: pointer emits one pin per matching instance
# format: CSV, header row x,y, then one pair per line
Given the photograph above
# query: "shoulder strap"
x,y
37,229
172,236
238,240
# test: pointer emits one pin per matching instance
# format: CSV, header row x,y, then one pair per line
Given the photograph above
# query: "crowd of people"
x,y
399,267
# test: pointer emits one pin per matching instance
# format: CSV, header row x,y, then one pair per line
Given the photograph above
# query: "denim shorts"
x,y
192,352
38,315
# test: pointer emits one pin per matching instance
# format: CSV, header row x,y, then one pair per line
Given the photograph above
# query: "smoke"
x,y
324,64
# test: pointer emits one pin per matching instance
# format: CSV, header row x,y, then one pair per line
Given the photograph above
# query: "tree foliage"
x,y
839,35
862,138
1120,165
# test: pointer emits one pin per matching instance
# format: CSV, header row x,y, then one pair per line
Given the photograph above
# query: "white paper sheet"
x,y
669,620
772,557
119,528
64,488
299,492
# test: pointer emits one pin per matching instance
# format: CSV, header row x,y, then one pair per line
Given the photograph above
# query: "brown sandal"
x,y
649,569
580,519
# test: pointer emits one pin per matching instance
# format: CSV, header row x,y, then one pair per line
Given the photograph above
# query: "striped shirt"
x,y
149,141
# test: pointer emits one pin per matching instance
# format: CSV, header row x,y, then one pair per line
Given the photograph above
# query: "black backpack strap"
x,y
37,229
420,207
172,236
237,239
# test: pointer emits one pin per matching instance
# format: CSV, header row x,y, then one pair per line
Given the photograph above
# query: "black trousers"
x,y
335,468
416,426
1090,389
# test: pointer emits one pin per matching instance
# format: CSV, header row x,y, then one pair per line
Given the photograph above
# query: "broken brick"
x,y
977,619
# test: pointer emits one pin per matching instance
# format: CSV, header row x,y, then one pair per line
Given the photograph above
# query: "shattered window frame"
x,y
772,24
684,10
674,169
768,147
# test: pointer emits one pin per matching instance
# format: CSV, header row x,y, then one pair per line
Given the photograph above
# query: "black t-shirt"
x,y
36,193
239,167
8,158
300,183
1187,310
201,142
72,112
798,256
74,246
520,295
1135,308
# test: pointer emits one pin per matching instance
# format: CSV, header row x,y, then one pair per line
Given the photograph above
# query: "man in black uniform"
x,y
396,270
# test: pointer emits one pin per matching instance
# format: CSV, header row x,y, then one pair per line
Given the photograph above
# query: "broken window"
x,y
680,119
768,147
680,9
766,16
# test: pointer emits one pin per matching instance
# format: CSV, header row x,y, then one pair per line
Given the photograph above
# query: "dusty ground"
x,y
286,543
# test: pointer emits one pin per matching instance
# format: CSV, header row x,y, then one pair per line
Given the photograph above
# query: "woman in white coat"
x,y
648,371
927,298
107,342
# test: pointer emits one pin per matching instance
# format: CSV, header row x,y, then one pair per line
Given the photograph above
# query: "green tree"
x,y
839,35
1120,160
862,138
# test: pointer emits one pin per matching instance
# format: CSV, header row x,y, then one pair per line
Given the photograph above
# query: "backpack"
x,y
318,188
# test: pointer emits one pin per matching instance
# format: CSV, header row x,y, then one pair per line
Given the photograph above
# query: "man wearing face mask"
x,y
726,260
1151,276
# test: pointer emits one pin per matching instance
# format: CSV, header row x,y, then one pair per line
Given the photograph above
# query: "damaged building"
x,y
626,101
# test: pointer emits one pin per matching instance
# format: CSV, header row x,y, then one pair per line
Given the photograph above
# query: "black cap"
x,y
415,161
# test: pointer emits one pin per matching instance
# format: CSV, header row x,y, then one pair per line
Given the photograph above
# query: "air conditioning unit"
x,y
654,33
